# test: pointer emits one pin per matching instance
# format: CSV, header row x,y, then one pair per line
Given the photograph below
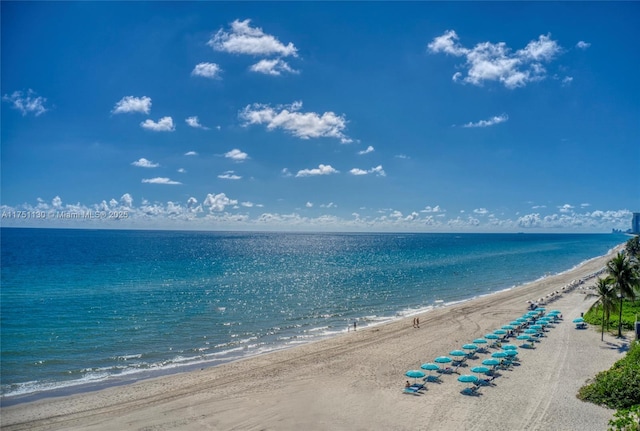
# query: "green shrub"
x,y
626,419
629,311
618,387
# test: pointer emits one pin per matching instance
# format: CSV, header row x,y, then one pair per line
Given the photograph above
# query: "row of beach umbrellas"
x,y
535,322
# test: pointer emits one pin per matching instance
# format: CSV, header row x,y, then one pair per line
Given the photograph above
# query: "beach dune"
x,y
355,381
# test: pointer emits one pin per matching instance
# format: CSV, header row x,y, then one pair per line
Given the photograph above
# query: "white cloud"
x,y
218,202
133,104
320,170
567,80
480,211
565,208
309,205
195,123
303,125
165,124
356,171
160,180
244,39
236,155
190,153
377,170
126,200
26,103
182,170
286,172
369,149
497,62
273,67
429,209
583,45
401,156
490,122
207,70
144,163
229,175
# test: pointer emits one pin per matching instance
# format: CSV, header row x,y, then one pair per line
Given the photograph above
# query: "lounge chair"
x,y
473,390
411,391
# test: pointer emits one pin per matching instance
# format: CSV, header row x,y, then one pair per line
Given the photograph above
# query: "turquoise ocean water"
x,y
87,308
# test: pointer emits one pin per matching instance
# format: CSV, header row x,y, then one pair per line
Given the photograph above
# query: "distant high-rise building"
x,y
635,223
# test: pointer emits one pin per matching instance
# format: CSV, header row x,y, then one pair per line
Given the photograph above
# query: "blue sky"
x,y
358,116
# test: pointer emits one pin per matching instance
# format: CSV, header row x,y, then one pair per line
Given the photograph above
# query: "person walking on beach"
x,y
417,322
354,325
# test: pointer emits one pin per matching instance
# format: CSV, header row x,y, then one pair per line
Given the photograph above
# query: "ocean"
x,y
83,309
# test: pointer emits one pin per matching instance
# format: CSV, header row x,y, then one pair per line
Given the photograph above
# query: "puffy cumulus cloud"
x,y
229,175
481,211
126,200
430,209
195,123
144,163
236,155
309,205
303,125
566,208
368,150
377,171
165,124
497,62
161,180
26,102
274,67
320,170
130,104
207,70
218,202
583,45
490,122
244,39
190,153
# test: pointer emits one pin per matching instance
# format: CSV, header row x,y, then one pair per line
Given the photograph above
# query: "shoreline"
x,y
355,379
72,387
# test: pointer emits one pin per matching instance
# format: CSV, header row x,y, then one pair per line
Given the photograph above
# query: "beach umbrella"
x,y
509,347
530,331
468,378
491,336
500,332
430,366
480,370
415,374
491,362
521,320
470,347
515,323
511,353
554,312
578,320
442,359
502,354
536,326
508,327
480,341
523,337
457,353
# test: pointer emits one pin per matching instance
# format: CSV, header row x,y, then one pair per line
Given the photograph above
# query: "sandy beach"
x,y
355,381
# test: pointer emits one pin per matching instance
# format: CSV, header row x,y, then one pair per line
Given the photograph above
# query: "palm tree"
x,y
625,280
632,247
606,295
